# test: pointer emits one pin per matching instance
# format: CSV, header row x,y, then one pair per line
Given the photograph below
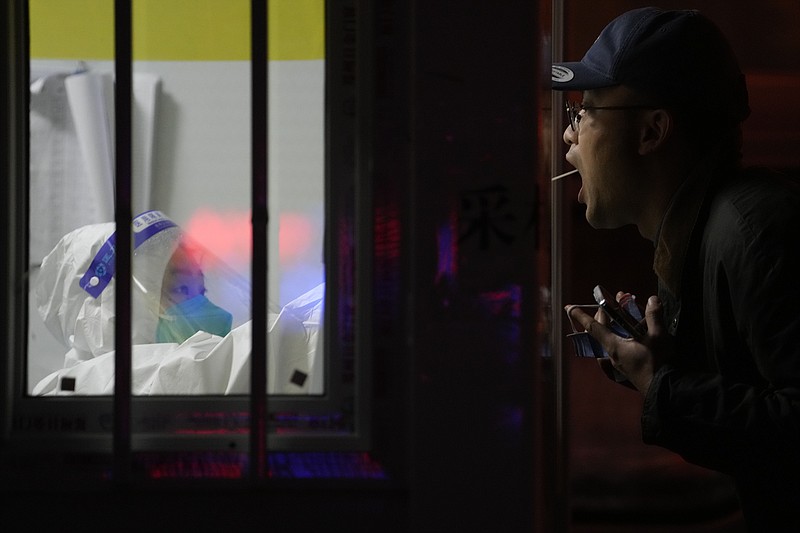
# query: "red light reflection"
x,y
229,235
295,234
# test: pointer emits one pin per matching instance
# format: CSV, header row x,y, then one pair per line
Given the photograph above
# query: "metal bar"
x,y
561,377
364,209
122,199
258,376
14,164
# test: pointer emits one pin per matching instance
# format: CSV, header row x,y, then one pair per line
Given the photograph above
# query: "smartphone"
x,y
634,326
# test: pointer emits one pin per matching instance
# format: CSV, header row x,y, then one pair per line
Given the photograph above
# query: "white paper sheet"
x,y
91,101
72,151
146,90
62,197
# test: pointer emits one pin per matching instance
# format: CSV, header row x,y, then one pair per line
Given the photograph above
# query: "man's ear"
x,y
656,127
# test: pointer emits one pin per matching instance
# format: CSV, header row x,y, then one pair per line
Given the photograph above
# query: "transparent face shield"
x,y
178,287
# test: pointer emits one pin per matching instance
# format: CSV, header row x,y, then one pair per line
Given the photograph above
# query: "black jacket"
x,y
731,293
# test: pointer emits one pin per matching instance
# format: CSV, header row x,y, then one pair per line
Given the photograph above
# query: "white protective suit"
x,y
202,364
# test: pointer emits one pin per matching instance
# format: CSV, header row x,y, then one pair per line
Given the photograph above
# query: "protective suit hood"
x,y
74,293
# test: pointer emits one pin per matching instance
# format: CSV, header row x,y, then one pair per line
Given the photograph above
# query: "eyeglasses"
x,y
574,110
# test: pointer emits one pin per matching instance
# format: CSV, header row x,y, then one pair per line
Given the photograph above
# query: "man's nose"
x,y
570,135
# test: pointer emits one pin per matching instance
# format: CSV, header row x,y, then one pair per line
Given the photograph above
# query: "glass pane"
x,y
191,198
71,184
191,185
296,194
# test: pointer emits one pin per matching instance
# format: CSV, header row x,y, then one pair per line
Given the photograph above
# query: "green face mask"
x,y
183,320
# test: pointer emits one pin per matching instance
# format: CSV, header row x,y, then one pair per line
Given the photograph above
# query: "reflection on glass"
x,y
191,188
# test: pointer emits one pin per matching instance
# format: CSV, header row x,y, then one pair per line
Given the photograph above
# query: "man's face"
x,y
604,149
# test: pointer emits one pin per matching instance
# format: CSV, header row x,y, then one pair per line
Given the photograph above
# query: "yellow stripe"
x,y
296,29
191,30
72,29
176,30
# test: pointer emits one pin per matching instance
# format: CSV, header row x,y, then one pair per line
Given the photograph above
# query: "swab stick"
x,y
564,175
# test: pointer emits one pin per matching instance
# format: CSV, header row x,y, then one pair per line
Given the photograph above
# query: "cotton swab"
x,y
564,175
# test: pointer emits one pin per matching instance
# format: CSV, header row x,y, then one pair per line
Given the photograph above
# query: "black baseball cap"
x,y
679,57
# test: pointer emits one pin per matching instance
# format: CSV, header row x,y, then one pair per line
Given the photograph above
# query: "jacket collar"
x,y
677,226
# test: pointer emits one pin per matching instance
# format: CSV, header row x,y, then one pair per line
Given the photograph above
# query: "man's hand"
x,y
637,360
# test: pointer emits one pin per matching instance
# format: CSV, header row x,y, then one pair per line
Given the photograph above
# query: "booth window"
x,y
190,191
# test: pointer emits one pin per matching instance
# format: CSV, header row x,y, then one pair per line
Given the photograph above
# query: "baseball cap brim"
x,y
576,76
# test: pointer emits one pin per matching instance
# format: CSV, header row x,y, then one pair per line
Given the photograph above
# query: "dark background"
x,y
467,419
